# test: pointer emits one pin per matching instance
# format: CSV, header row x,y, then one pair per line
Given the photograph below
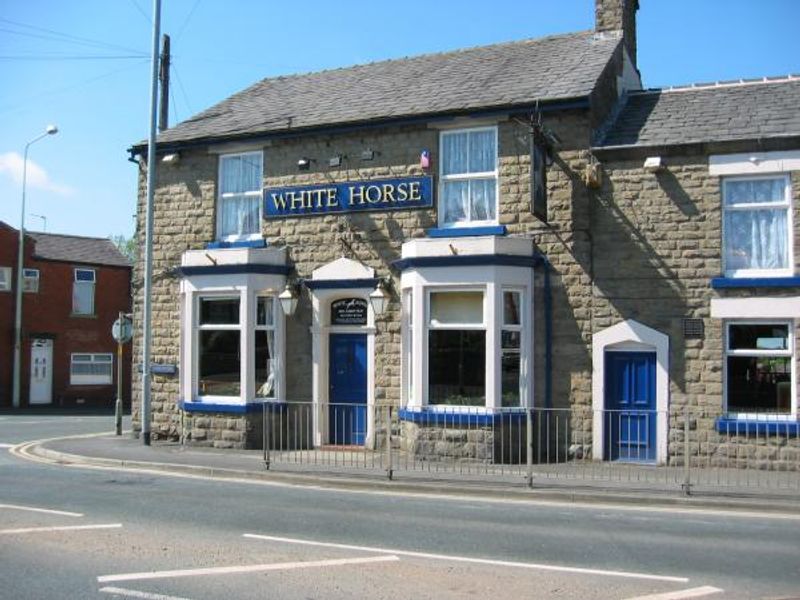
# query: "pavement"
x,y
126,452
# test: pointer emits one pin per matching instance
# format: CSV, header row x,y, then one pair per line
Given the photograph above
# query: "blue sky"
x,y
84,65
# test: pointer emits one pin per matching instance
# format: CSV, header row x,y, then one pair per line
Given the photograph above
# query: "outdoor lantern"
x,y
378,299
288,299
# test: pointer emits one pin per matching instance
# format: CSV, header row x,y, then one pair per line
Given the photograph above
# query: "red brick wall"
x,y
48,314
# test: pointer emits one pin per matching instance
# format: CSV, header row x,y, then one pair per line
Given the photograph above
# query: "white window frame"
x,y
198,327
407,333
520,328
253,193
276,311
785,204
108,359
30,281
467,177
93,284
5,279
788,353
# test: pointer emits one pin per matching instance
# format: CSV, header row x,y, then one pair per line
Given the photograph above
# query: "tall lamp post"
x,y
51,130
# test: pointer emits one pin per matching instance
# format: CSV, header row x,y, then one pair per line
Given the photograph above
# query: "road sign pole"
x,y
118,407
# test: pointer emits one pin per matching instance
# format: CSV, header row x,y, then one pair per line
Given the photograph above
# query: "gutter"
x,y
576,103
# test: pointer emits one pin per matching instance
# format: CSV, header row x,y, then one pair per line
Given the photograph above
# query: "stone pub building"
x,y
528,229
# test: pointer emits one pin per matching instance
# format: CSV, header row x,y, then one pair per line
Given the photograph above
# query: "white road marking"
x,y
61,528
7,445
697,592
467,559
138,594
244,569
48,511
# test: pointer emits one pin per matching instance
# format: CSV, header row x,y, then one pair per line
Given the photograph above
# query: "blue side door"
x,y
347,411
630,417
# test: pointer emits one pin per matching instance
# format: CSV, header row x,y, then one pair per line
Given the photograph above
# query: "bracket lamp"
x,y
288,299
172,158
379,298
368,154
653,164
304,163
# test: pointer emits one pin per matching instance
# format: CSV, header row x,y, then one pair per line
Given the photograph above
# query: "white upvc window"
x,y
30,280
511,334
757,226
265,353
468,189
456,348
219,347
5,279
408,346
239,196
91,369
760,369
83,292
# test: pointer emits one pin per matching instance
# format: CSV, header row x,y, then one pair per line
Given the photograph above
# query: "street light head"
x,y
51,130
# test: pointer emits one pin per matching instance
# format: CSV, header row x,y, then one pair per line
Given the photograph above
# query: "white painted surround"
x,y
341,269
630,336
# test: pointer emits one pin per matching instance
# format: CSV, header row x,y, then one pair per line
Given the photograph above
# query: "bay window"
x,y
468,177
757,226
456,349
759,368
219,347
239,197
510,345
265,354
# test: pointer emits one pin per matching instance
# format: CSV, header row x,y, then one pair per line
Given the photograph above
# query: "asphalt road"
x,y
129,535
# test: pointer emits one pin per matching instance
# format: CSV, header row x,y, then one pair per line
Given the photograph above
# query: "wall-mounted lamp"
x,y
335,161
368,154
288,299
653,164
171,159
304,163
379,298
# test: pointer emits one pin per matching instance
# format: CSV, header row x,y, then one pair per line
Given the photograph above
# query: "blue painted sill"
x,y
742,427
242,244
719,283
426,416
234,409
451,232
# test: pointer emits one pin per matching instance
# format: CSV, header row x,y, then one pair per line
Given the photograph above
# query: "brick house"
x,y
74,288
546,235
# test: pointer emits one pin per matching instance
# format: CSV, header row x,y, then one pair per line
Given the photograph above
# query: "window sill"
x,y
260,243
445,232
719,283
82,316
198,406
733,426
457,416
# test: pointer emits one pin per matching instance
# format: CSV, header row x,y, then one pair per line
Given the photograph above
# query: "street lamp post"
x,y
51,130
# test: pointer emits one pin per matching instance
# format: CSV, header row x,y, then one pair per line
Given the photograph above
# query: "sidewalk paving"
x,y
126,452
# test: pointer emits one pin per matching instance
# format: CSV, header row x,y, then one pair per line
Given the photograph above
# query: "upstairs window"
x,y
83,292
5,279
468,181
30,280
757,226
239,202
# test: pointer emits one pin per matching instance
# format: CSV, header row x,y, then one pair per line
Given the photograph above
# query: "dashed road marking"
x,y
244,569
138,594
697,592
58,528
468,559
48,511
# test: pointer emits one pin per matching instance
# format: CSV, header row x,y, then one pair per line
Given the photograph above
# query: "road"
x,y
70,532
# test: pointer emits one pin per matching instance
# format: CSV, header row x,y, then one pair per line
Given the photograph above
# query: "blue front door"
x,y
630,416
347,411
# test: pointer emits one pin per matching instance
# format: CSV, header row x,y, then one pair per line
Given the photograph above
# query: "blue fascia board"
x,y
445,232
340,284
426,416
752,427
719,283
470,260
234,270
239,244
236,409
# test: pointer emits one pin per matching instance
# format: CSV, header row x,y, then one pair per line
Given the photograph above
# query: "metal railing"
x,y
683,448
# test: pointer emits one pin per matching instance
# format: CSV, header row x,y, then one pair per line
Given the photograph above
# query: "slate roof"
x,y
497,76
727,111
73,248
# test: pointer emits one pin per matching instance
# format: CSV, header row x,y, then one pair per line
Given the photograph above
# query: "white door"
x,y
41,391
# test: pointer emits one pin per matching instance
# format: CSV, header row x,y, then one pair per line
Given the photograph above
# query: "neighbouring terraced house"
x,y
466,235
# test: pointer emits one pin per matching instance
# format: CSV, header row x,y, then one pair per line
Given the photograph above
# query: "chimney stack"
x,y
618,15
